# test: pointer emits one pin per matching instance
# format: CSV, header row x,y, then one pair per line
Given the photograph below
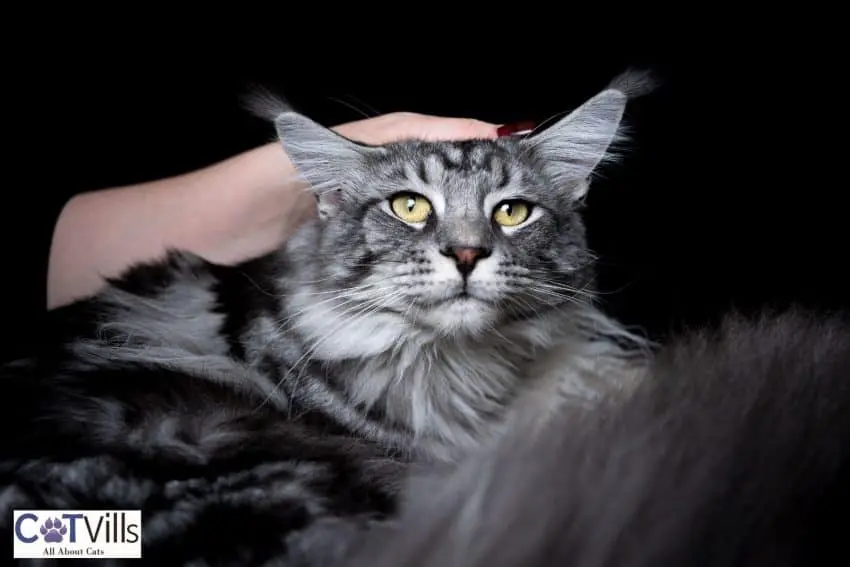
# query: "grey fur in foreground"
x,y
734,451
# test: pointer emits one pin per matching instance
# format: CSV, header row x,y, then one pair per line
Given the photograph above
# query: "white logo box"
x,y
77,534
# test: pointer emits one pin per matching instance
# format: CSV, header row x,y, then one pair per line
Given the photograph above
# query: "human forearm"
x,y
99,234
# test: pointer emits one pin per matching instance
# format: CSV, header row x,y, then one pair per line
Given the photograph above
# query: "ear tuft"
x,y
264,104
573,148
330,163
635,83
319,153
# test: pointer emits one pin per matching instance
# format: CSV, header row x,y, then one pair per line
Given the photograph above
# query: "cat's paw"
x,y
53,530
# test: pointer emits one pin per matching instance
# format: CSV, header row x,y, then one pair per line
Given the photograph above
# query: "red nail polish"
x,y
522,128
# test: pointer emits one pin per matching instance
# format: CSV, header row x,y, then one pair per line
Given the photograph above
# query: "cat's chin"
x,y
461,315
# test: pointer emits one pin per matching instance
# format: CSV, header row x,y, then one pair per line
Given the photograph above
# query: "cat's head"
x,y
456,236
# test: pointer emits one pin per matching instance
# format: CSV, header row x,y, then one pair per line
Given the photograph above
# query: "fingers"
x,y
411,126
446,129
469,128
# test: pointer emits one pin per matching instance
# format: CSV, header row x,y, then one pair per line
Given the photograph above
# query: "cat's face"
x,y
456,236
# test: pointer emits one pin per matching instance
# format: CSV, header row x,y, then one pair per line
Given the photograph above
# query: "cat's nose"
x,y
465,257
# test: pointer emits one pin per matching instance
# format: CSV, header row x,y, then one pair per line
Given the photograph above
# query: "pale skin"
x,y
228,212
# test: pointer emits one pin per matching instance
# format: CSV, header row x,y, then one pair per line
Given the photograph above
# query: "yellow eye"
x,y
511,213
411,207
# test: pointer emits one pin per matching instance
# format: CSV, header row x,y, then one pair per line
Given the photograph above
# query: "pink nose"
x,y
465,257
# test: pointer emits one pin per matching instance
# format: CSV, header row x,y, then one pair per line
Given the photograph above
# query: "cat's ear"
x,y
330,163
327,161
574,147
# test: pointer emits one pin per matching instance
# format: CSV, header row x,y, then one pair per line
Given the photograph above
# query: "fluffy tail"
x,y
735,452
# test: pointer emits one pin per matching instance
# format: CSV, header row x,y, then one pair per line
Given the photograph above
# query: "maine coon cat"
x,y
282,401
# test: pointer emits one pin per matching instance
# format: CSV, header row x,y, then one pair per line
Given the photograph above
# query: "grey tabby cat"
x,y
443,288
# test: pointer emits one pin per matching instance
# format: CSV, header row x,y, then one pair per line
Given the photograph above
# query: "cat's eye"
x,y
411,207
511,213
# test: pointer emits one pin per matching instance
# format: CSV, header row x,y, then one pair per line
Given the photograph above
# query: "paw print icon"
x,y
53,530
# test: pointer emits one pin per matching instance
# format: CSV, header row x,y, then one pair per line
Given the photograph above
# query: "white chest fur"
x,y
456,390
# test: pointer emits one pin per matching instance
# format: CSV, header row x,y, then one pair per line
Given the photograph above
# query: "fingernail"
x,y
521,128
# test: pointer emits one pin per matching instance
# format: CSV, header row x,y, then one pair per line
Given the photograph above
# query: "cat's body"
x,y
441,299
288,395
182,426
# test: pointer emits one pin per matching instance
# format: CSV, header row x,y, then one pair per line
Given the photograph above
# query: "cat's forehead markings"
x,y
503,173
433,168
418,184
482,157
462,159
422,171
452,156
493,163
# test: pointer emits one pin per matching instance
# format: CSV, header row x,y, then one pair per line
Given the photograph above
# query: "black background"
x,y
732,195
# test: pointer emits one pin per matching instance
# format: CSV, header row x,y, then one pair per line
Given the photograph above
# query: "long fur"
x,y
734,451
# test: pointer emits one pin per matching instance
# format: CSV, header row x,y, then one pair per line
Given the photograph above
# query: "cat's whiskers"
x,y
349,305
585,292
411,307
280,326
579,296
533,309
256,285
346,290
335,279
308,353
556,293
561,286
342,258
384,279
327,279
540,293
346,318
299,366
345,296
524,306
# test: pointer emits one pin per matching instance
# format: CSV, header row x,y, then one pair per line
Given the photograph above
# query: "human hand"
x,y
399,126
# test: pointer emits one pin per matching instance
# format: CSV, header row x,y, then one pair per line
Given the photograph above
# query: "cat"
x,y
734,450
442,288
